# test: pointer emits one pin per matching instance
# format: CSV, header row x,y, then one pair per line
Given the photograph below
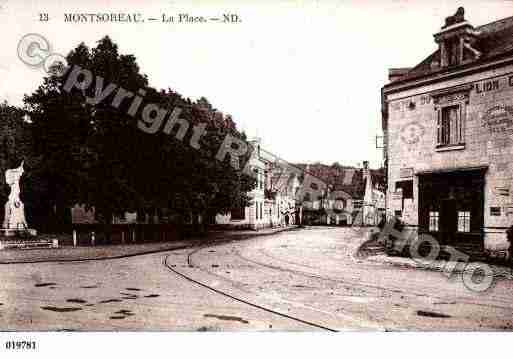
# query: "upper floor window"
x,y
259,178
450,126
451,108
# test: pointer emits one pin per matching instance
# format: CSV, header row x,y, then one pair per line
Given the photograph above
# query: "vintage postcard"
x,y
255,166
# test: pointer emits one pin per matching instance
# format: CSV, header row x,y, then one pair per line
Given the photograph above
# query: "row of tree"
x,y
79,152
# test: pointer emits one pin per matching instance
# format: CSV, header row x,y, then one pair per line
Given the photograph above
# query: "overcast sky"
x,y
305,76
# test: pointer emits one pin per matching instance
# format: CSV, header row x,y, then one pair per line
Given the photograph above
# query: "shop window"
x,y
434,220
407,187
464,221
450,126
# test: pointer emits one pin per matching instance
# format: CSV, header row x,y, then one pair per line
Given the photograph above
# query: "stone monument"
x,y
14,220
14,208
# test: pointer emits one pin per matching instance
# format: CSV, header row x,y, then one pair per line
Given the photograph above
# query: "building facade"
x,y
448,127
273,202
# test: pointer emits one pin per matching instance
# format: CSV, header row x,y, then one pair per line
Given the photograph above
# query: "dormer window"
x,y
457,39
453,51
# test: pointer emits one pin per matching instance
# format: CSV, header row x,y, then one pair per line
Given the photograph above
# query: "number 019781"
x,y
20,345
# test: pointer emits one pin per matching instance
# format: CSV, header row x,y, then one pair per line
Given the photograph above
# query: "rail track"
x,y
237,299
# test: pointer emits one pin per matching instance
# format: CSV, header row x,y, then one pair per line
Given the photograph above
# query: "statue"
x,y
14,209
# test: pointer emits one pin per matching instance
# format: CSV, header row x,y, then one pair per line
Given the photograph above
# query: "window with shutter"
x,y
450,126
439,128
451,106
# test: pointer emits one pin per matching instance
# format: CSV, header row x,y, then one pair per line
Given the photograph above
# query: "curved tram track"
x,y
235,298
354,281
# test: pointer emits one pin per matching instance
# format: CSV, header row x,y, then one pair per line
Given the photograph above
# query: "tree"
x,y
96,154
85,147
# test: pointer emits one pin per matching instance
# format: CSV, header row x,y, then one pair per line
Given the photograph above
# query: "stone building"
x,y
448,126
353,196
272,202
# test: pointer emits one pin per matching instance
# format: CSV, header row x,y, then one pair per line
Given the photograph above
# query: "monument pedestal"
x,y
11,238
12,232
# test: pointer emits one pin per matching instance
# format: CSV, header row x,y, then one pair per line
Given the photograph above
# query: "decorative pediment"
x,y
454,94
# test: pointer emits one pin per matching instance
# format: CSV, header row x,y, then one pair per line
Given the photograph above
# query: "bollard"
x,y
122,237
92,238
74,238
133,236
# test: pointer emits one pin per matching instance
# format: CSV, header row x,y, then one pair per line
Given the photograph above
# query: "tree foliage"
x,y
95,153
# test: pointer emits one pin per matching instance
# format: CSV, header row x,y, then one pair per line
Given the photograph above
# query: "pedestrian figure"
x,y
286,220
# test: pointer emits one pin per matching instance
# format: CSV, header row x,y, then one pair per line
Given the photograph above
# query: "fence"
x,y
101,234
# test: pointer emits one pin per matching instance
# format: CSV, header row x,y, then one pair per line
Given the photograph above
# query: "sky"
x,y
304,76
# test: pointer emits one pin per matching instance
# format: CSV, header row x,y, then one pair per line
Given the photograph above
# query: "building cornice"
x,y
403,85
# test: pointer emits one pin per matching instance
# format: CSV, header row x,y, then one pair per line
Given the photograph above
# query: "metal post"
x,y
93,239
74,238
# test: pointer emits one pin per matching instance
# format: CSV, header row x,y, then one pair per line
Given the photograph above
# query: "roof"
x,y
494,40
344,178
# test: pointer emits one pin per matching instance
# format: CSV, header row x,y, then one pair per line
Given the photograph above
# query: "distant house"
x,y
353,196
80,215
251,216
272,200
